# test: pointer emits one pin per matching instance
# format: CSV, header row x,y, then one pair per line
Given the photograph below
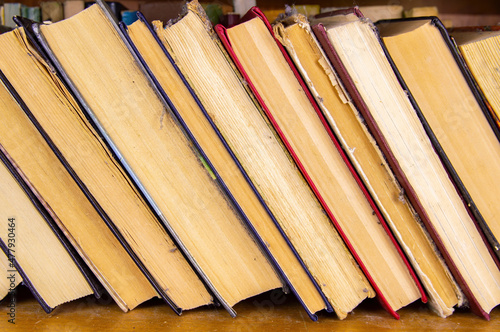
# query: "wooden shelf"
x,y
270,311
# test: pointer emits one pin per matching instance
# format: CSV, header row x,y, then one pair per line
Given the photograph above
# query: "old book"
x,y
11,9
303,129
34,249
161,159
357,54
85,155
480,48
189,109
295,34
67,204
198,54
458,121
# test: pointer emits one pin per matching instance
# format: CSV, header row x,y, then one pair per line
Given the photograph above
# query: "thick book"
x,y
163,163
479,46
67,204
356,52
302,127
36,248
62,123
454,114
190,111
295,34
210,72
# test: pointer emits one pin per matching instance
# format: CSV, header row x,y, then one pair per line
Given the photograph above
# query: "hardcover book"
x,y
34,246
198,53
389,111
455,116
480,48
283,95
190,111
67,204
295,34
157,154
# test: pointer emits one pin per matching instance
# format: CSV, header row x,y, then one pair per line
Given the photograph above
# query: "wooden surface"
x,y
270,311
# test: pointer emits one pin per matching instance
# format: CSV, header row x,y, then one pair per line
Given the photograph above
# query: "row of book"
x,y
327,157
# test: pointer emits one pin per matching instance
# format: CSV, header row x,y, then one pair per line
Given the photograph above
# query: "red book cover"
x,y
222,32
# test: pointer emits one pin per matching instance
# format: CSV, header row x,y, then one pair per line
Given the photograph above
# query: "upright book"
x,y
200,57
189,109
160,158
295,33
453,112
357,54
67,204
302,127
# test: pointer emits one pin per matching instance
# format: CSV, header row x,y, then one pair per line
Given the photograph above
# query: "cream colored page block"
x,y
223,162
74,214
67,127
12,277
483,59
160,155
276,83
412,148
255,145
36,248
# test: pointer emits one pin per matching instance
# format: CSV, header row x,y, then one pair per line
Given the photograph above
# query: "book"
x,y
480,46
67,204
91,164
150,143
295,34
197,52
301,126
189,109
460,125
34,249
387,108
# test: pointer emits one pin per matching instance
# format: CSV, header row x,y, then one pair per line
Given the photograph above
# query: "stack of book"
x,y
331,158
